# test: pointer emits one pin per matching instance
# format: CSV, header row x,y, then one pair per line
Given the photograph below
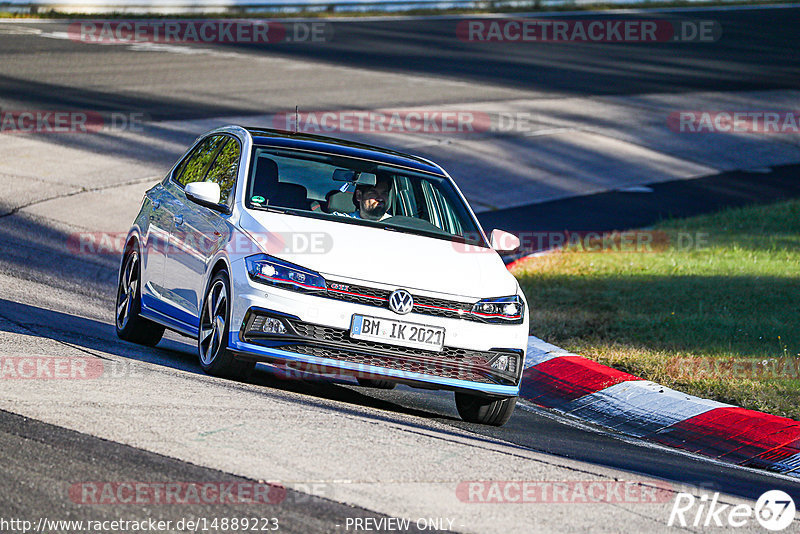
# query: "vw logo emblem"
x,y
401,301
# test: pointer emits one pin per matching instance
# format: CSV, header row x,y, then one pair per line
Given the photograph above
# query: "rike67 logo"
x,y
774,510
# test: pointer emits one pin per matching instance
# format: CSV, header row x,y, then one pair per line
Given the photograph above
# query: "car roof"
x,y
340,147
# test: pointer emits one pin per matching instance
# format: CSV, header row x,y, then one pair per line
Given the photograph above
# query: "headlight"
x,y
268,270
500,309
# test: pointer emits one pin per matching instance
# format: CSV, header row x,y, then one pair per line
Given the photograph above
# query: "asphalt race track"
x,y
339,452
755,53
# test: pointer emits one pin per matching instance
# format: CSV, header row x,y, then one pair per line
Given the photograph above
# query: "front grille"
x,y
379,298
327,333
336,344
440,369
359,294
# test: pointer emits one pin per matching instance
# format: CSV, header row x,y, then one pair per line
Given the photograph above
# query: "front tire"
x,y
130,325
212,339
485,410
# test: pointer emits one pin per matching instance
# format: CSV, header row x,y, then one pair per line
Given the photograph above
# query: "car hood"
x,y
351,252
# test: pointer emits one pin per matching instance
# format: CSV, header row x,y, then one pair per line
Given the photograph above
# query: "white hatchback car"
x,y
326,256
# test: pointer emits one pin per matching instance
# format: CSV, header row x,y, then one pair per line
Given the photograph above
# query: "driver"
x,y
372,201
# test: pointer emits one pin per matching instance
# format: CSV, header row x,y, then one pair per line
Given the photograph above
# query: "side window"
x,y
405,197
225,169
196,165
432,206
440,210
452,224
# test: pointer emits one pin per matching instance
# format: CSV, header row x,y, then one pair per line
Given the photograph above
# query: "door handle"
x,y
178,220
156,204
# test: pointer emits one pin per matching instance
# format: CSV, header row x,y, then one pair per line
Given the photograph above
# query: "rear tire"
x,y
377,384
485,410
130,325
212,337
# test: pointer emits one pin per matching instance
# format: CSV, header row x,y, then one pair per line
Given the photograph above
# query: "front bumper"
x,y
317,341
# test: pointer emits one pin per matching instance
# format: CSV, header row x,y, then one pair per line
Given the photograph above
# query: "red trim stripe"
x,y
456,310
356,294
295,282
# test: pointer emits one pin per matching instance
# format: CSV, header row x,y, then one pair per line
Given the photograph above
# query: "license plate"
x,y
397,332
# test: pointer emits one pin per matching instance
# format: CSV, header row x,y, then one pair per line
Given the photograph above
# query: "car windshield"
x,y
355,191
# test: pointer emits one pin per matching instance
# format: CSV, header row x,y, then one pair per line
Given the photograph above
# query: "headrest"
x,y
266,177
266,184
341,201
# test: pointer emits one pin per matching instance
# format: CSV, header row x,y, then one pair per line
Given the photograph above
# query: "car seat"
x,y
280,194
340,201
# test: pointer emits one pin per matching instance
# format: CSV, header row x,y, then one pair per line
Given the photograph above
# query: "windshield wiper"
x,y
275,209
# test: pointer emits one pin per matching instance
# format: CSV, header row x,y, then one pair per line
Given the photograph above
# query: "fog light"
x,y
273,326
501,363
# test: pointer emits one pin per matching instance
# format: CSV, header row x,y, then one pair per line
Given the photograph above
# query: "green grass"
x,y
720,321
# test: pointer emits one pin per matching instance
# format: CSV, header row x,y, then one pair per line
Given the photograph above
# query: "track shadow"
x,y
93,335
617,210
525,431
44,95
432,48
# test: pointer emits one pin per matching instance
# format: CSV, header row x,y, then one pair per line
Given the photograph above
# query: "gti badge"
x,y
401,301
339,287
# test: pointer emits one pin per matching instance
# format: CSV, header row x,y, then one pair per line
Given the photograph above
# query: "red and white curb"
x,y
556,379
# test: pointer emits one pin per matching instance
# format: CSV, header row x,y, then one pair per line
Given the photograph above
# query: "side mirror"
x,y
204,193
503,241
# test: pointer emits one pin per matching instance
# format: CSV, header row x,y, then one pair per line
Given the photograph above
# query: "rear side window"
x,y
194,168
225,169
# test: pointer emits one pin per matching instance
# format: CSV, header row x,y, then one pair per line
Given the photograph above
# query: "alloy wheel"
x,y
212,325
126,293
